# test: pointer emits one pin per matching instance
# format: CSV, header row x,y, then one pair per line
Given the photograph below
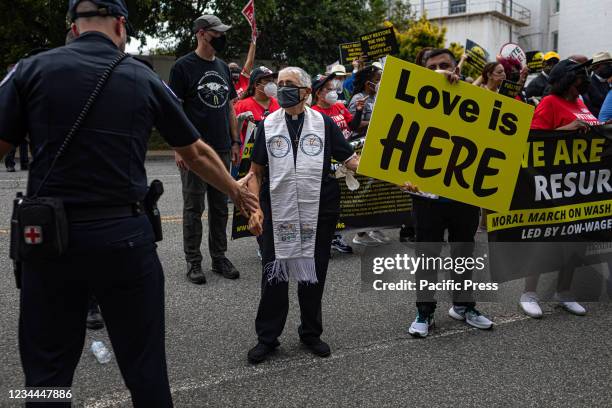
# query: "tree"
x,y
422,33
26,25
401,15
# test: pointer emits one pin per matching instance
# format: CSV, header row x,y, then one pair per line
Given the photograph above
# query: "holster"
x,y
156,189
39,229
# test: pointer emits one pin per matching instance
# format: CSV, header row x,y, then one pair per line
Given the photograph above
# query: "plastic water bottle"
x,y
99,350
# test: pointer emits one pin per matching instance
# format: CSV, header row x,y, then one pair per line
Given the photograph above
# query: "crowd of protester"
x,y
570,93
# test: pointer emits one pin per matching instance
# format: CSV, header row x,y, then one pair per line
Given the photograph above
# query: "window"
x,y
555,40
456,6
557,6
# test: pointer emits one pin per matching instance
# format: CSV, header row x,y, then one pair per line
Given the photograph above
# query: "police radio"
x,y
39,225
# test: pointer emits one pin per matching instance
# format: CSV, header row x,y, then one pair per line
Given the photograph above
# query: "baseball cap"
x,y
563,68
320,81
115,8
550,55
209,22
261,72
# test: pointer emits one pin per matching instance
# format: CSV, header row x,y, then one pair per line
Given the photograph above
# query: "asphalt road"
x,y
558,361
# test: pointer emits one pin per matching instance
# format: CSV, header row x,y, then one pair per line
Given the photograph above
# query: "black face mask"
x,y
288,96
218,43
235,74
584,85
605,72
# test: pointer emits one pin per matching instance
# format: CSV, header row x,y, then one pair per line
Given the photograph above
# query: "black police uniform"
x,y
104,166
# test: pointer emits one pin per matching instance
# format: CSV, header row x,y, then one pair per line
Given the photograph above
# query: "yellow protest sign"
x,y
458,141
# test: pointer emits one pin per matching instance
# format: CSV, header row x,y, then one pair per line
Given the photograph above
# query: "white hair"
x,y
301,74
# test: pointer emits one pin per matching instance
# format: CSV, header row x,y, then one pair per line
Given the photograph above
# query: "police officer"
x,y
101,180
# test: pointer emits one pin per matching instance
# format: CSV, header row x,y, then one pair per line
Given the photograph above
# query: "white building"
x,y
567,26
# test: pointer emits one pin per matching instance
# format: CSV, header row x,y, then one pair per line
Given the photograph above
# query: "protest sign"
x,y
239,222
350,52
477,55
563,192
509,88
249,13
511,50
535,60
454,140
379,43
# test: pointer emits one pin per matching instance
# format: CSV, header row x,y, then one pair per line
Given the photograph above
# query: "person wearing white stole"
x,y
299,208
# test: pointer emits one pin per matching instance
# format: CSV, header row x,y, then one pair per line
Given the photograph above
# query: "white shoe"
x,y
379,236
471,316
566,303
530,306
365,240
421,325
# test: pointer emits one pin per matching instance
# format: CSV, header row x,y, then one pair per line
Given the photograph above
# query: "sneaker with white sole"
x,y
379,236
471,316
567,303
530,306
340,245
421,325
365,240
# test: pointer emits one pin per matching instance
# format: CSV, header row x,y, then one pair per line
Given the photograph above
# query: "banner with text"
x,y
379,43
563,192
454,140
477,55
350,52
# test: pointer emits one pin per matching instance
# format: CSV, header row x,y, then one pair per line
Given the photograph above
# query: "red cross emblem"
x,y
33,235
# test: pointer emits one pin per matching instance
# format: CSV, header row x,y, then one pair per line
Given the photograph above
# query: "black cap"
x,y
209,22
320,81
115,8
563,68
261,72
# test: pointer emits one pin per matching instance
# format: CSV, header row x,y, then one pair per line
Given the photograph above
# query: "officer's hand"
x,y
236,155
180,163
256,223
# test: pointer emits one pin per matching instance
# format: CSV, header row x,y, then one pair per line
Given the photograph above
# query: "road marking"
x,y
279,365
4,231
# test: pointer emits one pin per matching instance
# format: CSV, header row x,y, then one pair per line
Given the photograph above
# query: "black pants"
x,y
432,218
274,303
195,192
129,285
9,160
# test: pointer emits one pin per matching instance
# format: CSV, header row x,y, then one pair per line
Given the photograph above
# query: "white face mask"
x,y
270,90
331,97
309,100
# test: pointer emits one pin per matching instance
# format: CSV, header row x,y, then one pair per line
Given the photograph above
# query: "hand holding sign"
x,y
249,13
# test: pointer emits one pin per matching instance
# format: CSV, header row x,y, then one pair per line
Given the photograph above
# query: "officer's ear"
x,y
74,29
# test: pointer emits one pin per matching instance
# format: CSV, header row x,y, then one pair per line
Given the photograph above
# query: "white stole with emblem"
x,y
295,192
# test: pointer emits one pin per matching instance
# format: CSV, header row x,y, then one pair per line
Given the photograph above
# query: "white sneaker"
x,y
379,236
530,306
567,303
365,240
471,316
421,325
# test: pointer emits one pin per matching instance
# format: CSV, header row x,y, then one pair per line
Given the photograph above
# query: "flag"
x,y
249,13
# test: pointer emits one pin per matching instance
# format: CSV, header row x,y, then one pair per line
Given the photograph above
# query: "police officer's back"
x,y
101,181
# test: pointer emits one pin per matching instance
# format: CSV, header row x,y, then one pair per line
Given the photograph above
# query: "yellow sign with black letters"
x,y
458,140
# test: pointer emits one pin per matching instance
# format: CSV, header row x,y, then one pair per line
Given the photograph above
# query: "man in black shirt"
x,y
204,84
300,204
537,87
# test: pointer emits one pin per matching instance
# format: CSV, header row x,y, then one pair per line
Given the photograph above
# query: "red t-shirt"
x,y
554,112
250,104
242,84
340,115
